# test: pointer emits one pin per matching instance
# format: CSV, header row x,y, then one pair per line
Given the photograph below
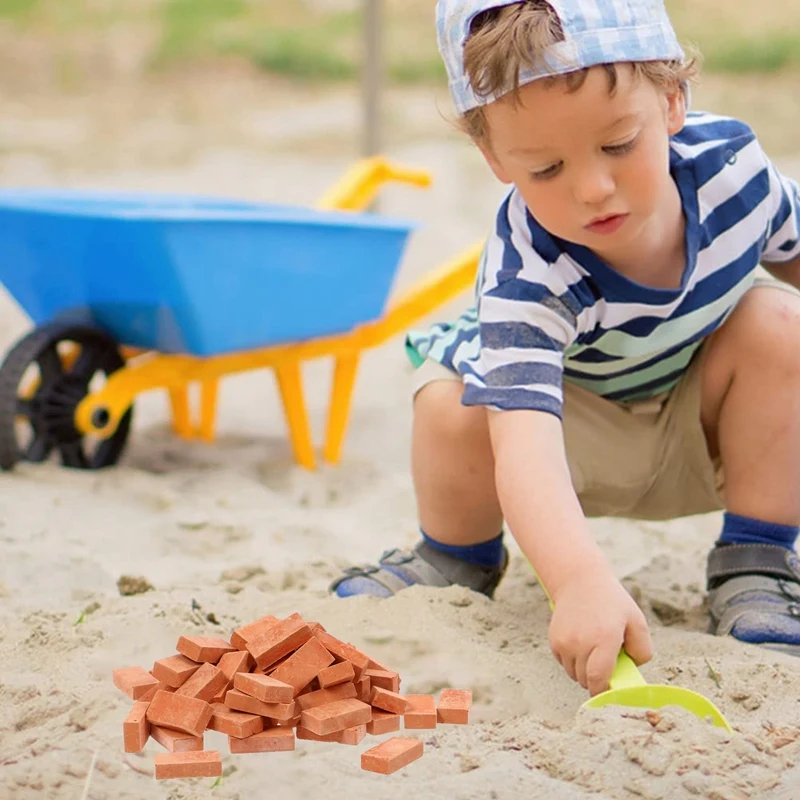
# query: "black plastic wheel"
x,y
34,423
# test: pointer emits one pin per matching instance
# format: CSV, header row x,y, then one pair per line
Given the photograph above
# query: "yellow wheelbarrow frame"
x,y
100,412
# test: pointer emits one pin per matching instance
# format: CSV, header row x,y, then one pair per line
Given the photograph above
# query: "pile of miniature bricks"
x,y
275,681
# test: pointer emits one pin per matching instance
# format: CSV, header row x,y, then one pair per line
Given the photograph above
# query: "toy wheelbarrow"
x,y
132,293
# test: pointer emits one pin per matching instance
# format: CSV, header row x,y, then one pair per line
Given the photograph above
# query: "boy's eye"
x,y
620,149
548,172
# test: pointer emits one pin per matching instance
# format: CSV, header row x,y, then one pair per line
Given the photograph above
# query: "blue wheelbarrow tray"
x,y
195,275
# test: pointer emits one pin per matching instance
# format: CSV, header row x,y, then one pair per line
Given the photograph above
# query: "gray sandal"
x,y
754,594
425,566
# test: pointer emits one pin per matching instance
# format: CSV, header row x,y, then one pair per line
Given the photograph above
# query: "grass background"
x,y
321,40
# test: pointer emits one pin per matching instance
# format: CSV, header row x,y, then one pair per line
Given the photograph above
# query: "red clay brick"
x,y
159,687
389,701
353,735
344,691
136,728
391,755
235,723
204,684
383,722
454,706
174,670
344,652
422,713
241,636
303,666
134,681
278,641
272,740
336,716
175,741
206,649
310,736
384,679
364,688
250,705
376,665
187,714
315,626
343,672
263,688
233,663
203,764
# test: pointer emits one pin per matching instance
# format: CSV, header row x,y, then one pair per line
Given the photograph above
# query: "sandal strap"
x,y
770,560
752,594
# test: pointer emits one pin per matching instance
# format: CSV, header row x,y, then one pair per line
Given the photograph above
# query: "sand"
x,y
228,532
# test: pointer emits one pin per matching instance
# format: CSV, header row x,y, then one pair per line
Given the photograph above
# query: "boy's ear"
x,y
676,111
493,163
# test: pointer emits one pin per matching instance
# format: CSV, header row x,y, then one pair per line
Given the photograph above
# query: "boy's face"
x,y
592,167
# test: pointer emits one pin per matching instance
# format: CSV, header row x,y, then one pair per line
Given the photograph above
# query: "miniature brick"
x,y
342,672
187,714
383,722
204,684
336,716
344,691
206,649
280,640
175,670
134,681
315,626
237,724
454,706
202,764
233,663
344,652
364,688
310,736
241,636
159,687
389,701
136,728
384,679
272,740
422,713
175,741
391,755
250,705
263,688
303,666
352,736
375,665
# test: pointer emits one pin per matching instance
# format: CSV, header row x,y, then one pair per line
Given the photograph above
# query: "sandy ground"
x,y
234,531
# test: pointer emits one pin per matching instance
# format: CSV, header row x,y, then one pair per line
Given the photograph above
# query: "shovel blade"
x,y
655,696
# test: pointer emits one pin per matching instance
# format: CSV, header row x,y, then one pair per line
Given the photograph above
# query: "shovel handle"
x,y
626,674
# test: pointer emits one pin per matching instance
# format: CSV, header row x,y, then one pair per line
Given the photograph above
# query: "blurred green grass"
x,y
313,41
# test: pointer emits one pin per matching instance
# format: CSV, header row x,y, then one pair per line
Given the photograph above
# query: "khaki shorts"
x,y
643,460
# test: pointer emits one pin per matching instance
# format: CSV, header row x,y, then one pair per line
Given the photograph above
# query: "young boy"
x,y
622,359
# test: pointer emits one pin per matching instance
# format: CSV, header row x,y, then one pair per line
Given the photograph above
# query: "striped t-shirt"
x,y
549,310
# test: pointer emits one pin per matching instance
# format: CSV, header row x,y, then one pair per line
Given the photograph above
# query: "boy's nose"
x,y
594,187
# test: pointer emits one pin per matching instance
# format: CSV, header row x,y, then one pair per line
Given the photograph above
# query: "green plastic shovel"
x,y
629,688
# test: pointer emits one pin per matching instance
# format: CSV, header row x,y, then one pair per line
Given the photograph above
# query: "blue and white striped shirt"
x,y
549,310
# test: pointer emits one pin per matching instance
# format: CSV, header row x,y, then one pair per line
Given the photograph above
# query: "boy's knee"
x,y
766,325
438,408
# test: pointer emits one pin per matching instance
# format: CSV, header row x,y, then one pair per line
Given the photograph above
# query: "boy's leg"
x,y
750,412
459,513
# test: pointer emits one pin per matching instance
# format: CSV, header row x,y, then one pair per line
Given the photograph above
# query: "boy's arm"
x,y
788,272
594,616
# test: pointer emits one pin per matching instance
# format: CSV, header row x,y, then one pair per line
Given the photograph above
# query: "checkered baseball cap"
x,y
595,32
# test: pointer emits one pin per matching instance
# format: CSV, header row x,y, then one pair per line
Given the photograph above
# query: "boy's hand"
x,y
594,617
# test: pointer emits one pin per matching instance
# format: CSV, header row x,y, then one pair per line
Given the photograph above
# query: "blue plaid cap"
x,y
595,32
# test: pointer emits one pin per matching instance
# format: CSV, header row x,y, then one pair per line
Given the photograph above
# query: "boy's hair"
x,y
507,39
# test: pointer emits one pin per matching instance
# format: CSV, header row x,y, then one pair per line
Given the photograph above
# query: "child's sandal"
x,y
422,566
754,594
